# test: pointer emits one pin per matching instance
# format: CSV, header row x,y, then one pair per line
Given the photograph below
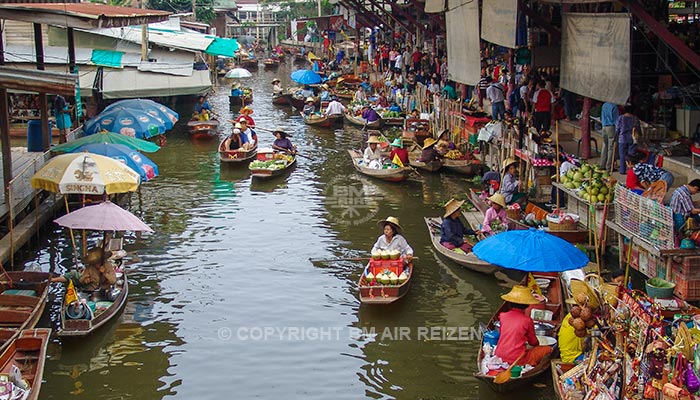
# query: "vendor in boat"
x,y
571,345
382,100
453,231
325,93
392,239
335,108
497,211
360,96
98,274
518,330
236,90
429,154
368,114
246,113
444,143
281,142
249,140
397,150
373,154
309,107
234,142
490,182
202,109
276,87
415,114
510,187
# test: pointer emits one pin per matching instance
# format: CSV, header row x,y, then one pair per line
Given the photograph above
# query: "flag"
x,y
532,284
397,160
71,296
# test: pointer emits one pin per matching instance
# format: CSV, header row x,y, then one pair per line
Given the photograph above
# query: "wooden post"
x,y
586,128
43,103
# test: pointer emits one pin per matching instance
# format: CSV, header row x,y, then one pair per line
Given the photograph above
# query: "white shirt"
x,y
277,88
398,242
565,167
249,135
360,95
335,107
495,93
373,155
398,63
534,97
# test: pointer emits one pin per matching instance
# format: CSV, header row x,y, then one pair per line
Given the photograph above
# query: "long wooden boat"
x,y
359,121
347,80
237,101
469,261
432,166
271,64
555,304
203,130
248,63
324,121
265,173
464,167
578,235
239,156
558,365
393,121
103,313
27,353
389,174
384,294
280,100
22,301
299,58
298,102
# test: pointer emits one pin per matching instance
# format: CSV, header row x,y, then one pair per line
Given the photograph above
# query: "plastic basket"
x,y
660,292
566,222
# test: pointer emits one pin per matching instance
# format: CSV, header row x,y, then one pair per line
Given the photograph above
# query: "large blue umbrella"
x,y
132,158
127,121
530,250
306,77
150,107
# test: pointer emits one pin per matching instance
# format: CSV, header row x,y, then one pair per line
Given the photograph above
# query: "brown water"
x,y
230,260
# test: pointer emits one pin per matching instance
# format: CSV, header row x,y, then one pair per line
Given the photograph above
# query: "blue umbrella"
x,y
154,109
306,77
530,250
127,121
132,158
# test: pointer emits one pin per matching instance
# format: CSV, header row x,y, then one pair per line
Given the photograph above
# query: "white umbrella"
x,y
105,216
238,73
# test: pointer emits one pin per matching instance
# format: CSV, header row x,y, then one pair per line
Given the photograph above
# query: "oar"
x,y
504,376
345,259
289,152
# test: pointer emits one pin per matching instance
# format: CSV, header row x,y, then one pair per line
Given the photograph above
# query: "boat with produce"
x,y
469,261
385,279
553,301
22,300
90,313
416,130
280,100
396,174
270,164
238,101
393,118
271,63
558,369
359,121
249,63
236,156
323,121
203,130
299,102
462,166
22,365
432,166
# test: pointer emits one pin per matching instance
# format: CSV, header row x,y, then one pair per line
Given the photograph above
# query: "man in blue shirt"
x,y
608,116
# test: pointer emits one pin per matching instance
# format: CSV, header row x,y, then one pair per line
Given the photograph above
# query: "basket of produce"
x,y
562,222
514,212
659,288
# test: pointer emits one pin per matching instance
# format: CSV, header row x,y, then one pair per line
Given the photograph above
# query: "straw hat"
x,y
310,100
498,199
340,80
429,142
246,110
508,161
275,80
397,143
581,287
452,206
94,256
238,125
393,221
520,295
235,85
324,86
373,139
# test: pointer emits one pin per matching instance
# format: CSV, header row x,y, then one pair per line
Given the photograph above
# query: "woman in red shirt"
x,y
398,150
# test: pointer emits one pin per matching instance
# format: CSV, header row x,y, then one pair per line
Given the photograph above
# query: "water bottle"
x,y
569,385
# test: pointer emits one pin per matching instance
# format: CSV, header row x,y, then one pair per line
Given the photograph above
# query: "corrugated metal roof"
x,y
80,15
32,80
160,37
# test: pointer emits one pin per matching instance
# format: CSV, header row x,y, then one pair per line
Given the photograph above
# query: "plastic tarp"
x,y
131,83
178,63
595,56
498,22
463,50
222,47
434,6
107,58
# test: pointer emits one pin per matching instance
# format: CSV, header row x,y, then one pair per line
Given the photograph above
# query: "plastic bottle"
x,y
569,385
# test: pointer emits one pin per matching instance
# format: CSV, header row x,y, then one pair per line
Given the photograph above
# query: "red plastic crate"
x,y
266,156
690,268
686,289
376,266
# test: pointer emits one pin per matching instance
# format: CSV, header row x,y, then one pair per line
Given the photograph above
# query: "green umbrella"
x,y
107,137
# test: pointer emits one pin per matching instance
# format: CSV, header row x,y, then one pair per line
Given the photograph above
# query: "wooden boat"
x,y
345,96
236,156
28,354
86,326
237,101
298,102
558,366
359,121
389,174
299,58
347,80
555,304
579,235
265,173
431,166
22,301
470,261
384,294
280,100
393,121
270,63
324,121
464,167
416,130
203,129
249,63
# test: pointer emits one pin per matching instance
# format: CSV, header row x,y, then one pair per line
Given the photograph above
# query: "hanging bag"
x,y
691,379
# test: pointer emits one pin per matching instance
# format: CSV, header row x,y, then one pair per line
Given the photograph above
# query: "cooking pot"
x,y
544,329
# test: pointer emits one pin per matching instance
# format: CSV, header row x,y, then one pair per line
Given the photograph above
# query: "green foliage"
x,y
205,9
119,3
290,10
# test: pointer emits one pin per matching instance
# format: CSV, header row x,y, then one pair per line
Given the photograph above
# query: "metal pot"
x,y
544,329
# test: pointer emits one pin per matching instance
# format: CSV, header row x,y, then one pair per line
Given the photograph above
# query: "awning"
x,y
130,83
86,77
222,47
107,58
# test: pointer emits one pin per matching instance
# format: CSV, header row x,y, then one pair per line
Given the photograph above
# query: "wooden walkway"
x,y
24,165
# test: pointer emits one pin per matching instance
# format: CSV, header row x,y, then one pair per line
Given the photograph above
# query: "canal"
x,y
224,301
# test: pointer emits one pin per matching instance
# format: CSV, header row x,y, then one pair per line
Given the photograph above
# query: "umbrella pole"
x,y
557,165
84,239
72,236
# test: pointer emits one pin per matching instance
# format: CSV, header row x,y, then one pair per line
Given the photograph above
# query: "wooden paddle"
x,y
504,376
346,259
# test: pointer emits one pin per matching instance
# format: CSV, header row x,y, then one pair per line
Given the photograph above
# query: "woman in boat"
x,y
234,141
276,87
452,232
325,93
518,329
397,150
202,109
360,95
429,153
236,90
246,113
511,185
281,142
249,139
392,239
372,156
497,211
368,114
444,144
98,274
309,107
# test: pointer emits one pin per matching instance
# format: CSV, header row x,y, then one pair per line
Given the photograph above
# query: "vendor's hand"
x,y
409,257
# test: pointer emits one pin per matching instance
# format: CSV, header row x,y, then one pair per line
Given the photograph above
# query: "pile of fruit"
x,y
535,223
386,278
391,114
454,155
386,255
592,183
279,162
497,226
582,317
247,92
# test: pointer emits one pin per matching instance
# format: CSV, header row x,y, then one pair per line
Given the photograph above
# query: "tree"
x,y
205,10
290,10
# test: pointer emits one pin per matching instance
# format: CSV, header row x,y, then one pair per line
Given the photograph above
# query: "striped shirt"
x,y
647,172
681,201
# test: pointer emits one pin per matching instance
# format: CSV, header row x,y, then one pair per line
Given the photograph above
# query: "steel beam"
x,y
410,19
390,15
540,20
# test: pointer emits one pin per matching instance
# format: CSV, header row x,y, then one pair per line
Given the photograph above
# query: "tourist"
x,y
510,186
682,204
608,117
368,114
624,127
392,239
373,154
453,231
335,107
249,139
234,141
281,142
496,211
398,151
309,107
246,113
202,109
497,96
542,99
518,330
415,58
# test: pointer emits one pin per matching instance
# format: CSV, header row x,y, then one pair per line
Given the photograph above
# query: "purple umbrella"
x,y
105,216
